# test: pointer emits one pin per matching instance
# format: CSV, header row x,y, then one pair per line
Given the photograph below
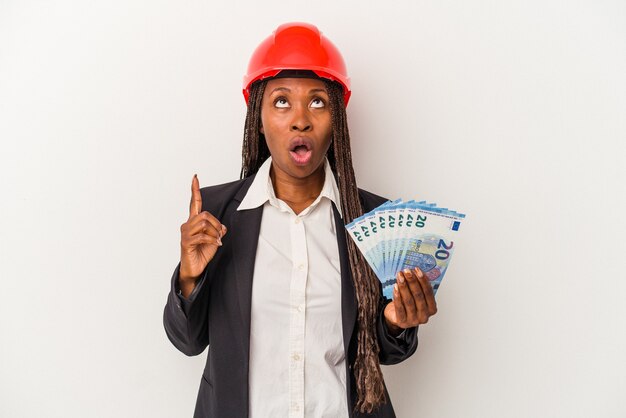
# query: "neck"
x,y
298,193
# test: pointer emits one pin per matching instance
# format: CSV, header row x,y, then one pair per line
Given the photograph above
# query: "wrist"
x,y
186,285
186,280
394,330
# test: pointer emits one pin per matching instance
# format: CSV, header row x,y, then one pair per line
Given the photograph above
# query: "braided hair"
x,y
367,372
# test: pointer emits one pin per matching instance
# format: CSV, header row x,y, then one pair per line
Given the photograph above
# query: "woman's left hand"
x,y
413,301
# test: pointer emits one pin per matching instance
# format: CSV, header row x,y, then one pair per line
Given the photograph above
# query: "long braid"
x,y
367,372
254,150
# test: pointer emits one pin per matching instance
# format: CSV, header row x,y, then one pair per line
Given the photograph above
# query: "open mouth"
x,y
300,151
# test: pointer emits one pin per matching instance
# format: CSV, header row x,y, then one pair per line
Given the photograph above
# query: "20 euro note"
x,y
398,235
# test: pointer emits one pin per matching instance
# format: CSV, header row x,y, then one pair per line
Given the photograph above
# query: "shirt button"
x,y
300,308
301,267
297,221
296,356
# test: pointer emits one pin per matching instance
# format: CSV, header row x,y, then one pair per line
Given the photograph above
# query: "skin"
x,y
295,107
413,301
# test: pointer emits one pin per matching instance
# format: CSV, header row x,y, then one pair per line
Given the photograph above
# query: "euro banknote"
x,y
398,235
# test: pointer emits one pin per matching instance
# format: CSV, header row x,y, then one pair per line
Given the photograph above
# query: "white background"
x,y
510,111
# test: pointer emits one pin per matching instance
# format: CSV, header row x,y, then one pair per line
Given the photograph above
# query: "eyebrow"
x,y
289,91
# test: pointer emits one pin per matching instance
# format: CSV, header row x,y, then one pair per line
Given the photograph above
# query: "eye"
x,y
281,102
317,103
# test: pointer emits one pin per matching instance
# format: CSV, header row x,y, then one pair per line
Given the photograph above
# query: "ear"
x,y
261,130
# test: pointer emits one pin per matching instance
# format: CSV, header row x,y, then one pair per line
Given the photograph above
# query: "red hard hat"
x,y
297,46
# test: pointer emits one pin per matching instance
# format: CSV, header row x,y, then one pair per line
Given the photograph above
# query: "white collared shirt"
x,y
297,358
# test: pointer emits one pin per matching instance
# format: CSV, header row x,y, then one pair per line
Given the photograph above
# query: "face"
x,y
296,122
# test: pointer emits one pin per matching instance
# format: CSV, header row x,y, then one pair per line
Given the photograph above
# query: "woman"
x,y
294,318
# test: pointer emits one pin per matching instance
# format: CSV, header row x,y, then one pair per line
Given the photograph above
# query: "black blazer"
x,y
217,313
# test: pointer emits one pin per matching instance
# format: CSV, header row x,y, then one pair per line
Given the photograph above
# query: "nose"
x,y
301,121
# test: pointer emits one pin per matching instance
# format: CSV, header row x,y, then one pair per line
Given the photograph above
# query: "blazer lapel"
x,y
246,226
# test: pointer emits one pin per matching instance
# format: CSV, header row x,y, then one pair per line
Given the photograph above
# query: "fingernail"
x,y
395,287
418,272
223,229
401,278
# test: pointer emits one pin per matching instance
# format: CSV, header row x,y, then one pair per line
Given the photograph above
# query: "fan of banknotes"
x,y
398,235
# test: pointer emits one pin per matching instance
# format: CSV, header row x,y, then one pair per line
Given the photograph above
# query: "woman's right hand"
x,y
200,238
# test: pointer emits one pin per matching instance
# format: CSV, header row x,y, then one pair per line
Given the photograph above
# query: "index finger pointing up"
x,y
195,206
